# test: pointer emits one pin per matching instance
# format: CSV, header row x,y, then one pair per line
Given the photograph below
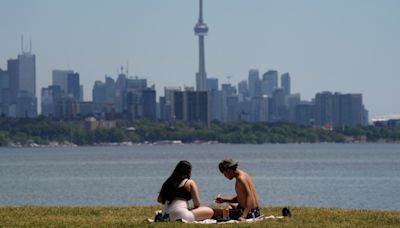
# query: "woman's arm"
x,y
194,191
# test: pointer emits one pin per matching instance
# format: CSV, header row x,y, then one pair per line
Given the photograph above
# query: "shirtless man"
x,y
245,204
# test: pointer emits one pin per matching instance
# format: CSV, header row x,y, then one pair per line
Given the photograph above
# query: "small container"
x,y
225,213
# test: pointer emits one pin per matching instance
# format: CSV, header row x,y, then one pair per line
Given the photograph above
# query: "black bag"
x,y
161,218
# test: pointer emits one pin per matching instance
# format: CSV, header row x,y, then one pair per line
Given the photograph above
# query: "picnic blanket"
x,y
260,218
213,221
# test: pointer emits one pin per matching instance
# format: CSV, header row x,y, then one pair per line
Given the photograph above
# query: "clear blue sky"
x,y
349,46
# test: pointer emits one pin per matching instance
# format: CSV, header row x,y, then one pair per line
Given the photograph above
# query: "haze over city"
x,y
344,46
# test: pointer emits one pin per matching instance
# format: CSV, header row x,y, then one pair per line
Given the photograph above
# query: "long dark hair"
x,y
181,172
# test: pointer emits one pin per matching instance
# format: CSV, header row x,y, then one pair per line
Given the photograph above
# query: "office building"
x,y
269,82
99,92
212,84
339,110
4,92
285,83
305,113
26,105
60,78
190,106
148,102
49,96
254,83
243,89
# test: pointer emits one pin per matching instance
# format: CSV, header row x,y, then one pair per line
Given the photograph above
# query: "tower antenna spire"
x,y
22,43
30,45
201,11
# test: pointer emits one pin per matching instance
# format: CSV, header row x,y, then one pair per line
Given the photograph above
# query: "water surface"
x,y
362,176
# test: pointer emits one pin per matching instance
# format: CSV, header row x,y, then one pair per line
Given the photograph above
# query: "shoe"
x,y
158,217
286,212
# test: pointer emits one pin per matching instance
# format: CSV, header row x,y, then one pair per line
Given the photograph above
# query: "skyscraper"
x,y
269,82
212,84
324,109
22,79
285,83
99,92
254,83
13,72
339,110
243,88
201,30
27,73
49,97
60,78
4,92
73,85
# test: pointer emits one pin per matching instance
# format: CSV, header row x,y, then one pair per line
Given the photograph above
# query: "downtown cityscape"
x,y
263,113
259,98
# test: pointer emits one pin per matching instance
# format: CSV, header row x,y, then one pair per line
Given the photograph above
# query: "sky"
x,y
347,46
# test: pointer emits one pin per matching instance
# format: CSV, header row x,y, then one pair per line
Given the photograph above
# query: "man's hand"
x,y
219,200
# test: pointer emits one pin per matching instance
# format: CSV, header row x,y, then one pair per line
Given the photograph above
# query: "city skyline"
x,y
355,51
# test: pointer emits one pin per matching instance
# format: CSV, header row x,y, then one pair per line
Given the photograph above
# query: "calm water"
x,y
365,176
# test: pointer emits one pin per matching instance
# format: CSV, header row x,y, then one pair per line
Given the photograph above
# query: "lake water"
x,y
362,176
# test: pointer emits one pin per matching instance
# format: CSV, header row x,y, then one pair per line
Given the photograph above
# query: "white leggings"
x,y
178,209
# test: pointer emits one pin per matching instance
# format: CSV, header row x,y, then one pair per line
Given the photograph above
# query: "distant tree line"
x,y
43,131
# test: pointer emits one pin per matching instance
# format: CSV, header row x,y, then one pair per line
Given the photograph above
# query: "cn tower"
x,y
201,30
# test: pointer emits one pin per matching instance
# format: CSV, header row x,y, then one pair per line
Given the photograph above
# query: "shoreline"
x,y
174,142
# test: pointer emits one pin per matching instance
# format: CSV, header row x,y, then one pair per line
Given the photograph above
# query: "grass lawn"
x,y
135,217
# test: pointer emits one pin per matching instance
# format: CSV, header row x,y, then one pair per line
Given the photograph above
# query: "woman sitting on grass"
x,y
177,191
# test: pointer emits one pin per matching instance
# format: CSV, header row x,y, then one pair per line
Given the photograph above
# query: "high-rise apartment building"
x,y
305,113
324,109
351,110
339,110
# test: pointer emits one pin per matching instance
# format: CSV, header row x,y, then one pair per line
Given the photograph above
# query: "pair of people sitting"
x,y
179,189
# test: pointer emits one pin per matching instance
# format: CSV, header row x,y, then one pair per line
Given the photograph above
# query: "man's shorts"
x,y
235,213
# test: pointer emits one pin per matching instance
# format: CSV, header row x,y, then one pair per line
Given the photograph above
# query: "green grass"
x,y
135,217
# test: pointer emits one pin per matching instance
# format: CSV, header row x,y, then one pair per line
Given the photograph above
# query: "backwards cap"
x,y
226,164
